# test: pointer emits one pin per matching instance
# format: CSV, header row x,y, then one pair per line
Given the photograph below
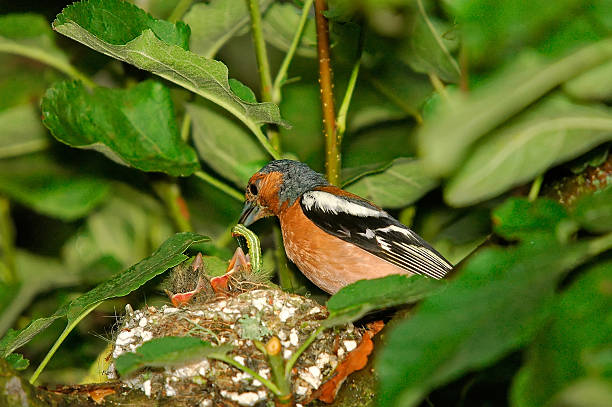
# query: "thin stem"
x,y
219,185
59,341
535,188
180,9
281,75
59,63
350,88
273,388
332,144
286,278
294,358
438,85
7,238
170,193
186,127
263,67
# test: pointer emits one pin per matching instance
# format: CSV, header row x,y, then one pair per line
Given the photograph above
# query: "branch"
x,y
332,145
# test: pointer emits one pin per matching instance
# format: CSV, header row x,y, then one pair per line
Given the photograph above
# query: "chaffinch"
x,y
334,237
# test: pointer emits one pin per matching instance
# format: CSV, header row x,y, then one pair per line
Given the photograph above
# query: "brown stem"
x,y
332,144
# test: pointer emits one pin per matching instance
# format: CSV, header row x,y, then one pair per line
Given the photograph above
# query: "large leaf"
x,y
279,25
496,304
168,351
168,255
40,183
595,84
215,22
594,212
15,297
120,233
519,219
464,118
134,127
152,49
399,185
225,145
554,132
496,29
29,35
429,50
580,326
21,131
355,300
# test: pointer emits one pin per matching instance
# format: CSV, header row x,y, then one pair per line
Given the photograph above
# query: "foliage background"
x,y
458,106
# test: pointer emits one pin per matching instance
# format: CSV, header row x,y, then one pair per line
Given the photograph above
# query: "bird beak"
x,y
250,213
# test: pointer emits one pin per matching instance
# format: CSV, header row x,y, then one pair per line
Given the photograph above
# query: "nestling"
x,y
335,237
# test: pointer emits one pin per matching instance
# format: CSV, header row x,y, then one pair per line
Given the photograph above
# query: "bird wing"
x,y
359,222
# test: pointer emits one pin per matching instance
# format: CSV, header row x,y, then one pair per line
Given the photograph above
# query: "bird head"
x,y
276,187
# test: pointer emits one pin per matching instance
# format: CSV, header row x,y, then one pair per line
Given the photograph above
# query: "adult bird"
x,y
334,237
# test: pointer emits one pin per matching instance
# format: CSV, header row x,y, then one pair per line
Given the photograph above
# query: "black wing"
x,y
374,230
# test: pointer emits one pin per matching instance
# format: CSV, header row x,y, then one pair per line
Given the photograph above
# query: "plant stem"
x,y
219,185
438,85
286,277
273,388
279,81
179,10
186,127
61,64
332,144
294,358
7,238
170,194
263,67
58,342
350,88
273,351
535,188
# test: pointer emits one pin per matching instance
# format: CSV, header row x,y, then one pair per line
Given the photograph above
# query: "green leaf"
x,y
215,22
134,127
21,131
43,185
17,361
350,175
168,255
119,22
355,300
83,22
123,231
553,132
588,392
29,35
595,84
225,145
594,212
168,351
428,49
445,139
517,218
401,184
580,323
279,25
494,305
496,29
242,91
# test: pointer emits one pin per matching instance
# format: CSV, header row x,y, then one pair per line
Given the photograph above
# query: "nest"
x,y
238,319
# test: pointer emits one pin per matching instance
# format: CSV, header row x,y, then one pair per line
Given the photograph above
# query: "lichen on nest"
x,y
237,320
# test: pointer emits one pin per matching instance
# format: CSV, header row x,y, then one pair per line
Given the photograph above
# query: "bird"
x,y
333,236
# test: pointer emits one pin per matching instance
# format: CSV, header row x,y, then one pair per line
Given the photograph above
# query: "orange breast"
x,y
329,262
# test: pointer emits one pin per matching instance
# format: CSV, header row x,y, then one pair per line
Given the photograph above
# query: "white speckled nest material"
x,y
291,318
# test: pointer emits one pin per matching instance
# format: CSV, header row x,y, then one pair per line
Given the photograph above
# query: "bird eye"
x,y
253,189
